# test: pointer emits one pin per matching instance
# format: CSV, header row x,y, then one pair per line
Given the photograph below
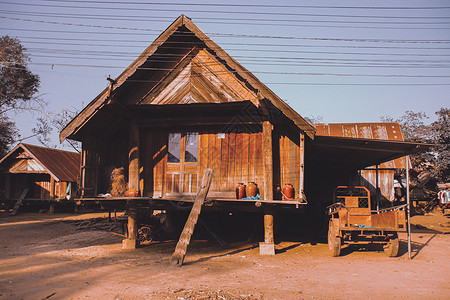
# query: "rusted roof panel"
x,y
62,165
376,131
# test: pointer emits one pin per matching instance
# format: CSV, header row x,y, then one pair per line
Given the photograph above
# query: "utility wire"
x,y
222,43
244,35
252,5
258,62
219,12
279,58
218,20
256,72
228,49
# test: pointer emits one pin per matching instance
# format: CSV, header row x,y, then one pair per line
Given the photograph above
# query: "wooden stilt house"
x,y
183,106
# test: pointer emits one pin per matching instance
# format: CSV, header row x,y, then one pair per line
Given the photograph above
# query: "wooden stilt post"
x,y
7,186
52,188
268,246
133,157
301,192
267,160
408,207
132,241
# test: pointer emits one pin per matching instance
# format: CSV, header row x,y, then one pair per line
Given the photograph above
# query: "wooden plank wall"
x,y
289,161
153,157
99,158
235,158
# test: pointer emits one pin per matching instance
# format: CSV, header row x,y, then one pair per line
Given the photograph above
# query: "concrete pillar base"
x,y
266,249
129,244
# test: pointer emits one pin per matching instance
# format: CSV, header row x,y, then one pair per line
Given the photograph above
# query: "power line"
x,y
251,5
219,20
284,58
261,62
245,35
219,12
273,83
259,72
222,43
23,39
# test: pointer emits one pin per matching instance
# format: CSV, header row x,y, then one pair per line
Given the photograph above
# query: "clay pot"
x,y
251,189
288,192
240,190
131,193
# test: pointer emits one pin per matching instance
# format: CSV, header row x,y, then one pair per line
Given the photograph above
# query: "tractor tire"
x,y
334,242
391,248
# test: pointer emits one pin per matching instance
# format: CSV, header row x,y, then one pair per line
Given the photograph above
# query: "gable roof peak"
x,y
244,75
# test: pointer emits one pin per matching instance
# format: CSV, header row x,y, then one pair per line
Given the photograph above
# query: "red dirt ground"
x,y
47,257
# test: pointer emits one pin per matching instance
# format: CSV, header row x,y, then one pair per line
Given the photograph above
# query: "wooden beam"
x,y
185,237
7,185
268,229
267,156
52,187
268,246
133,157
301,193
132,240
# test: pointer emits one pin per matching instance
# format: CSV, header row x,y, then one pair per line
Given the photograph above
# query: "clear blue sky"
x,y
332,59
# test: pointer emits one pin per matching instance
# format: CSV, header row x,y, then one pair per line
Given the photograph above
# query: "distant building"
x,y
47,174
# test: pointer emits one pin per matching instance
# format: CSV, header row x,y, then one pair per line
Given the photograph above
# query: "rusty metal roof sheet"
x,y
62,165
376,131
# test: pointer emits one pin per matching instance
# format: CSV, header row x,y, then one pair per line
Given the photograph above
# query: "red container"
x,y
288,192
240,190
251,189
131,193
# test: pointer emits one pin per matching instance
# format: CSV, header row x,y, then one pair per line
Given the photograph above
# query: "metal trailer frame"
x,y
352,221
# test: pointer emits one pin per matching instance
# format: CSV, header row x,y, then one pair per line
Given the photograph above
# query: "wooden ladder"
x,y
19,202
188,230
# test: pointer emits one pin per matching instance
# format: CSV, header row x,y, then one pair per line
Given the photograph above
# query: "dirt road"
x,y
50,257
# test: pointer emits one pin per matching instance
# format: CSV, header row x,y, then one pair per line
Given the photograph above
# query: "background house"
x,y
47,174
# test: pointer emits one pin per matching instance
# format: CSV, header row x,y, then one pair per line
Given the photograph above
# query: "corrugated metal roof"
x,y
376,131
62,165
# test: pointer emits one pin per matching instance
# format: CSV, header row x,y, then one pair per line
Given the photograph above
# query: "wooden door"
x,y
182,163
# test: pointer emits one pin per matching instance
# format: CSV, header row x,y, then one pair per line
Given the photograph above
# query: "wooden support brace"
x,y
185,238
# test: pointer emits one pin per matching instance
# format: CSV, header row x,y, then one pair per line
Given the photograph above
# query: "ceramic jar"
x,y
251,189
288,192
131,193
240,190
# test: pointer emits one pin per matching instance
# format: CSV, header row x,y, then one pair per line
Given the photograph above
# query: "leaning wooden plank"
x,y
185,238
19,202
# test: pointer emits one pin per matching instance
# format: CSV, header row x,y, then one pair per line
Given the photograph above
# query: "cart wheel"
x,y
334,242
391,248
145,234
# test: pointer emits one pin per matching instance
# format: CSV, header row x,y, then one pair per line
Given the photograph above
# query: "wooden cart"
x,y
353,221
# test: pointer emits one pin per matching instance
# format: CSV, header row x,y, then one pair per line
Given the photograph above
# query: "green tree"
x,y
414,129
18,87
441,130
